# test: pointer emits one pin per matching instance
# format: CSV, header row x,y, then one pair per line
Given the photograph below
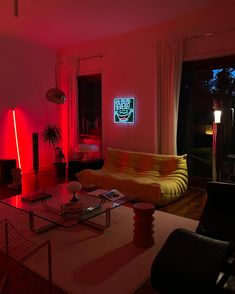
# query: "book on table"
x,y
111,195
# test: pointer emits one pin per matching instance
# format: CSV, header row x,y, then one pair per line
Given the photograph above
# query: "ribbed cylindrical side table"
x,y
143,224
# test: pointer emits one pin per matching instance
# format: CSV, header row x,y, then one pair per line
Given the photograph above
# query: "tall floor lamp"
x,y
217,142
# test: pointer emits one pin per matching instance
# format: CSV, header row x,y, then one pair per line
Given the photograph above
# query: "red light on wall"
x,y
16,138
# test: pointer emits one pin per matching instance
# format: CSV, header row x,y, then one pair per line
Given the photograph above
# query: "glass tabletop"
x,y
58,209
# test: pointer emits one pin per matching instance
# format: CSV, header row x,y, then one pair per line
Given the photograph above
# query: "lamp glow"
x,y
217,141
86,149
16,138
217,116
217,106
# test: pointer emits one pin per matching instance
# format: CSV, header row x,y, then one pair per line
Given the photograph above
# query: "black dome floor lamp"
x,y
56,95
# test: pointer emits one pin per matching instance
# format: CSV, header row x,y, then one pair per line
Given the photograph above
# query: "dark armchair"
x,y
218,217
202,261
189,263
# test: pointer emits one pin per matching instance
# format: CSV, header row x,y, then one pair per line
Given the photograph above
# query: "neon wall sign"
x,y
124,110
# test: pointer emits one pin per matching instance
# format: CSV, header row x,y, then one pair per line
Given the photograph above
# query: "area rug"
x,y
88,261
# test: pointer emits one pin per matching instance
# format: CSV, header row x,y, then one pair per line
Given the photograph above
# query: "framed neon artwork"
x,y
124,110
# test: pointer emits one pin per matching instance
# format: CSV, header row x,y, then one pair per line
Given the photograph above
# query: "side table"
x,y
76,166
143,224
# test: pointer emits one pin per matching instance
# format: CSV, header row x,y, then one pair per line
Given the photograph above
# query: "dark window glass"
x,y
89,105
202,82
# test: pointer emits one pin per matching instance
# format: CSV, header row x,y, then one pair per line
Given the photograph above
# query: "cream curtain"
x,y
169,56
68,112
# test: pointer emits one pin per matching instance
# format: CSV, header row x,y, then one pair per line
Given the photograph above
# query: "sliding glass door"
x,y
202,83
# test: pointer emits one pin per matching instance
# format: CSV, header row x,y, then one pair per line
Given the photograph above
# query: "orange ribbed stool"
x,y
143,224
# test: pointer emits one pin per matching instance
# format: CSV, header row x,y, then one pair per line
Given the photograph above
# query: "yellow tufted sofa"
x,y
155,178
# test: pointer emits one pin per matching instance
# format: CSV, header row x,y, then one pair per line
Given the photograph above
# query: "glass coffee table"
x,y
57,210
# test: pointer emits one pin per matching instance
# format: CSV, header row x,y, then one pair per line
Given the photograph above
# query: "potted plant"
x,y
52,135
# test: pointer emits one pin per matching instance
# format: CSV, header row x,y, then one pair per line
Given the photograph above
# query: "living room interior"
x,y
115,51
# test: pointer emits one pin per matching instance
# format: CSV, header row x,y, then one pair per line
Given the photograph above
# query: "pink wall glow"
x,y
26,72
128,69
8,138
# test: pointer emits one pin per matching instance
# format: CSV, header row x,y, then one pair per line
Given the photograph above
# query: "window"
x,y
202,82
89,109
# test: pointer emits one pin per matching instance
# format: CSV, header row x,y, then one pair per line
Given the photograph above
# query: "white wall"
x,y
128,68
26,72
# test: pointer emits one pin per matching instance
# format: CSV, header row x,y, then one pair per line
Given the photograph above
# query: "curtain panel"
x,y
68,112
169,57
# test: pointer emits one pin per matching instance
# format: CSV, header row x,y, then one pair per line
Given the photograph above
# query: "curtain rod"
x,y
88,57
205,34
82,58
209,34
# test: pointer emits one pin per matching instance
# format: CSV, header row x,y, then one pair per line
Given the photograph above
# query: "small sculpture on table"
x,y
73,188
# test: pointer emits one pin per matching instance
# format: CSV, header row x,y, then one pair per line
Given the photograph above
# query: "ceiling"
x,y
59,23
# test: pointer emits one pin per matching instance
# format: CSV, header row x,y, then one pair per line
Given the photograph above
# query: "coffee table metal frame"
x,y
52,225
49,209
